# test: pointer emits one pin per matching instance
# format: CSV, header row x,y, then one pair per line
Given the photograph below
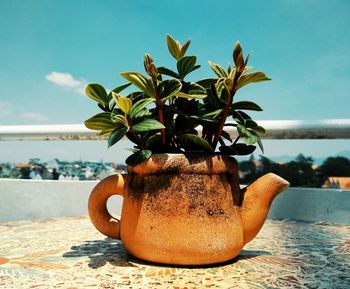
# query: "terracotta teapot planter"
x,y
184,209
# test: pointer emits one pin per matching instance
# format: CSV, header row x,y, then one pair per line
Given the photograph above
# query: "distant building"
x,y
60,170
337,183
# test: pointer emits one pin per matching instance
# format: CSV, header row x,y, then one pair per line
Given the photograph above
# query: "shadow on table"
x,y
244,255
101,252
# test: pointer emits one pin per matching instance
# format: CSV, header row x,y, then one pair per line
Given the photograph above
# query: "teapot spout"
x,y
257,199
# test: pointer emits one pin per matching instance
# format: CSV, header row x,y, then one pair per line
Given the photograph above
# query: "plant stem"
x,y
222,121
159,105
226,109
134,137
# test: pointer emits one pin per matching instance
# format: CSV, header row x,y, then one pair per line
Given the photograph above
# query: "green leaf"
x,y
213,114
222,90
189,96
121,87
227,150
184,47
218,69
242,130
213,99
238,57
194,142
177,111
147,125
249,123
207,83
174,47
239,116
260,144
140,81
97,92
226,135
154,142
143,114
259,129
119,118
248,137
205,119
244,115
169,72
134,138
194,91
239,149
228,83
195,67
246,61
123,103
243,149
232,74
117,90
136,96
246,105
138,157
170,88
117,135
258,140
139,106
150,67
185,65
107,132
250,78
100,121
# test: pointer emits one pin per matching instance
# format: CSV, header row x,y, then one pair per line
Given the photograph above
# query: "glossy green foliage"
x,y
165,110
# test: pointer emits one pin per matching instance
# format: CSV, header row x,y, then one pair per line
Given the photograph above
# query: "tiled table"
x,y
70,253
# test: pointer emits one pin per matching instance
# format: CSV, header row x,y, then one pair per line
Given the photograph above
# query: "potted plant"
x,y
182,201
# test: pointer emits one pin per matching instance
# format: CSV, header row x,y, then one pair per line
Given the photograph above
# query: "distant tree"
x,y
40,168
335,167
247,166
122,167
25,171
298,172
266,165
55,174
249,170
301,172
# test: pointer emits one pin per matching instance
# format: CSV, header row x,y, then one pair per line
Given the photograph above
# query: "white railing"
x,y
276,129
296,203
33,199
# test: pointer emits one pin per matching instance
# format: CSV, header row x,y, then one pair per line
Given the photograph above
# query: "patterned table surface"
x,y
70,253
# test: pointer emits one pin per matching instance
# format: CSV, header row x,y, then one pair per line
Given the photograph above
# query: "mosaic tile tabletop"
x,y
69,253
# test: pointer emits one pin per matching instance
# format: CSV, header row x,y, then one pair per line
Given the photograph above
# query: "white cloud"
x,y
10,116
63,79
34,116
67,81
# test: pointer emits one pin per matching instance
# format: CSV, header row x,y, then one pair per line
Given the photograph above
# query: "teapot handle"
x,y
98,213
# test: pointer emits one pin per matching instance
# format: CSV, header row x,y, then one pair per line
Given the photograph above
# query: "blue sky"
x,y
51,49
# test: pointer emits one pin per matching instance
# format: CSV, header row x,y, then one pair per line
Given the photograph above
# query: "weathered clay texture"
x,y
185,210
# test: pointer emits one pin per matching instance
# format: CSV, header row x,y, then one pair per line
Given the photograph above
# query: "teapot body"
x,y
184,209
184,217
